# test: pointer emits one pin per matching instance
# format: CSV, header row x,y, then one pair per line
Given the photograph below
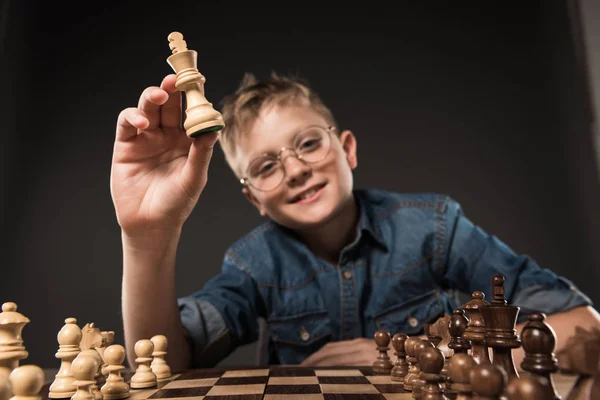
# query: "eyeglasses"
x,y
310,145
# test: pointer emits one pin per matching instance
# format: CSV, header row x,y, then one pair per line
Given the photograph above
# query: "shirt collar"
x,y
367,220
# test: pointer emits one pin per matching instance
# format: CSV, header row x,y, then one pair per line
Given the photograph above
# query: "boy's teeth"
x,y
308,194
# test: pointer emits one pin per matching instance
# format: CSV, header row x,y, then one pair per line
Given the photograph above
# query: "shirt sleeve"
x,y
222,315
473,256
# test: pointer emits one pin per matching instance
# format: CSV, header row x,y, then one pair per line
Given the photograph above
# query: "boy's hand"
x,y
359,352
157,172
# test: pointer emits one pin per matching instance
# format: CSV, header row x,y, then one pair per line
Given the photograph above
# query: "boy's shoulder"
x,y
384,203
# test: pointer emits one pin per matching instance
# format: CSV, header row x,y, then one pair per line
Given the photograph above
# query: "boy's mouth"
x,y
307,193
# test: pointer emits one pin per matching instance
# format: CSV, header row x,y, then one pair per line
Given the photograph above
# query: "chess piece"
x,y
413,369
400,368
539,341
69,338
487,381
382,365
159,365
108,337
201,117
96,356
457,326
418,382
5,387
580,356
143,377
529,388
500,323
475,332
440,329
91,337
431,360
27,382
115,386
84,368
11,341
459,368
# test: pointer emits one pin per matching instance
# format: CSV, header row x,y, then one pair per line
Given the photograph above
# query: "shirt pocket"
x,y
409,316
296,338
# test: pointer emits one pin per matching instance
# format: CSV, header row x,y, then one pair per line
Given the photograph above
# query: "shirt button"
x,y
413,322
304,334
347,275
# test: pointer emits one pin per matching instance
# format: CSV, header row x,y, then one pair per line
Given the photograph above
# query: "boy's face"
x,y
276,128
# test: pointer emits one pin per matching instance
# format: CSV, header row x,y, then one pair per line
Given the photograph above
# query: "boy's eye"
x,y
309,144
264,168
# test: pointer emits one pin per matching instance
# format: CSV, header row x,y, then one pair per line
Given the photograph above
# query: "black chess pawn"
x,y
539,341
431,360
529,388
382,365
475,332
459,367
501,335
418,382
457,326
400,368
488,381
413,369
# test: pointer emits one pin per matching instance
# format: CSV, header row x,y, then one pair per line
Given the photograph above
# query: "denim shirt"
x,y
412,255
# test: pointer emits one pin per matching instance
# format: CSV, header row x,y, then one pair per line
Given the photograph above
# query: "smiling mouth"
x,y
308,193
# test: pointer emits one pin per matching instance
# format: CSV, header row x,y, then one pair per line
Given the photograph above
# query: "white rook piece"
x,y
11,342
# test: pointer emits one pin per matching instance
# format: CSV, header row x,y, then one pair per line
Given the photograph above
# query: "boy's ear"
x,y
248,195
349,145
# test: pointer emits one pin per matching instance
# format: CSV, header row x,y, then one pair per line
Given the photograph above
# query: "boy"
x,y
331,265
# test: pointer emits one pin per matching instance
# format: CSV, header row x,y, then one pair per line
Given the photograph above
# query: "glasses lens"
x,y
313,144
265,173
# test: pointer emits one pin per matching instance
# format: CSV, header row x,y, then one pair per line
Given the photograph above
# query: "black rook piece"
x,y
500,321
539,340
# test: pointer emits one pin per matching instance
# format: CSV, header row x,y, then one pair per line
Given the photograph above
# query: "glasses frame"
x,y
329,129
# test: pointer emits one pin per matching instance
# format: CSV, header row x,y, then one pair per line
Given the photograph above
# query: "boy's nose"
x,y
296,170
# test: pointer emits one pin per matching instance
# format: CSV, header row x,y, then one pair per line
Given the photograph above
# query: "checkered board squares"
x,y
277,383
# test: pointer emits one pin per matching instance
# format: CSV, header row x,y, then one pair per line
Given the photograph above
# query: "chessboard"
x,y
282,383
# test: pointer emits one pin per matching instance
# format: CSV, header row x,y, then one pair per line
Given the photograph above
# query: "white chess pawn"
x,y
84,367
143,377
159,365
68,338
11,341
93,353
115,386
26,382
5,387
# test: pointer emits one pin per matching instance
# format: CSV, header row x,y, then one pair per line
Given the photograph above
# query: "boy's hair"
x,y
241,108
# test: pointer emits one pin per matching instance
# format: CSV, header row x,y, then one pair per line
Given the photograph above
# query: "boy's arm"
x,y
149,302
564,324
157,176
473,256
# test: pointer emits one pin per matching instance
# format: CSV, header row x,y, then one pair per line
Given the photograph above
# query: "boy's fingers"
x,y
151,100
170,112
129,121
196,168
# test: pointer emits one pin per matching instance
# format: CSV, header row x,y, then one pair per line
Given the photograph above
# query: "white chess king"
x,y
201,117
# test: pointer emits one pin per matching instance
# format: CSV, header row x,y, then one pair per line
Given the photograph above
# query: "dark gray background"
x,y
486,104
